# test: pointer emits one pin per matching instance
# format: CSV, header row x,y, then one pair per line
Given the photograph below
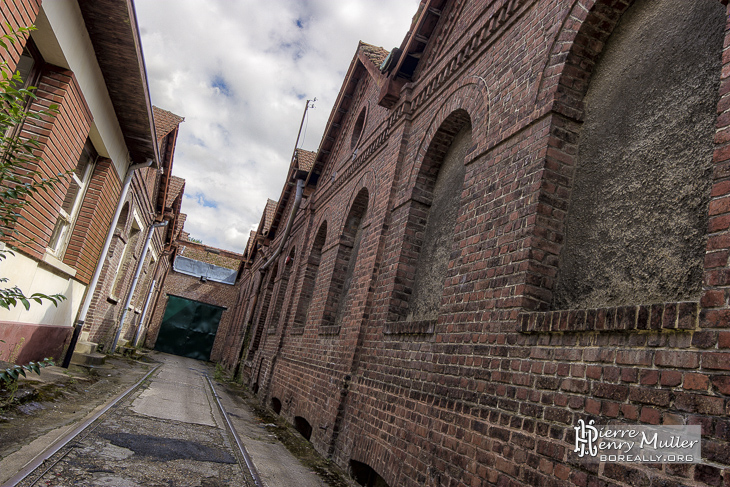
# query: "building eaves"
x,y
179,224
176,187
112,27
375,54
165,122
305,159
249,244
268,217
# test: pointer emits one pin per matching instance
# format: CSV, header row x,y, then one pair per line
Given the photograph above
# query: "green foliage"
x,y
220,374
19,159
9,377
12,373
195,240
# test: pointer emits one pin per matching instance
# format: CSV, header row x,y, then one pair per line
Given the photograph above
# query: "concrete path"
x,y
277,467
178,392
171,432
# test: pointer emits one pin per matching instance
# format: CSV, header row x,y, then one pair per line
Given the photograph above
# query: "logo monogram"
x,y
585,438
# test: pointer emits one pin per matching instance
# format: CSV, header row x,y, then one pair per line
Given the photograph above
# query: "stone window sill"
x,y
329,330
668,316
423,327
52,261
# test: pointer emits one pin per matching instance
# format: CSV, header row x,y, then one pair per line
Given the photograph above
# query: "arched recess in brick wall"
x,y
624,197
282,292
263,310
309,281
345,261
430,219
127,246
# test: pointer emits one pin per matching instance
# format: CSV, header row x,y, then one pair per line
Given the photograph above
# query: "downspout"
x,y
262,269
102,257
140,264
289,224
144,313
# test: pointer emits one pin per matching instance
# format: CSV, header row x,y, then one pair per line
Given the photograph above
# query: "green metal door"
x,y
188,328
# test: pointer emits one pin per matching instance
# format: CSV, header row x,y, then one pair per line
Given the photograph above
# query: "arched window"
x,y
638,210
263,310
345,261
281,293
310,279
428,240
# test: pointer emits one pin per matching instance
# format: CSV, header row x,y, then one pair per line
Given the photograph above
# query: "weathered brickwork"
x,y
487,391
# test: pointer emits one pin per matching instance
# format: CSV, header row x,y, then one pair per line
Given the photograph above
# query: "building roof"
x,y
249,243
112,27
177,186
211,255
365,62
268,217
165,122
305,159
375,53
179,224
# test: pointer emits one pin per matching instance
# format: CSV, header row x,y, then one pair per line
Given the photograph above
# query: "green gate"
x,y
188,328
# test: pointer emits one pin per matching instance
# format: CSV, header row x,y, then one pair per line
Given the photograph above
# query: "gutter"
x,y
102,258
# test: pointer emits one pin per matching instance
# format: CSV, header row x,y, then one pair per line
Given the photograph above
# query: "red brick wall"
x,y
93,222
62,139
490,394
17,14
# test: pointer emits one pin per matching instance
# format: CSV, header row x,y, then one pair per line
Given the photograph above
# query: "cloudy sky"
x,y
240,72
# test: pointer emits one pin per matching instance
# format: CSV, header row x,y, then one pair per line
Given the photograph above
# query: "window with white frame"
x,y
69,211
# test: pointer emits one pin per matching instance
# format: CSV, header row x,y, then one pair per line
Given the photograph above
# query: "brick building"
x,y
155,196
85,233
195,308
515,220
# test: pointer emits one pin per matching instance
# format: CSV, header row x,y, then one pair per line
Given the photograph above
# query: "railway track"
x,y
167,429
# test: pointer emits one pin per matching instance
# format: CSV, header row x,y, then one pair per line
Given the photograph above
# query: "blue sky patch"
x,y
220,84
201,200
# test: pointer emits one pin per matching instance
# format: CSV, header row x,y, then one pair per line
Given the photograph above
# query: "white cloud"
x,y
239,73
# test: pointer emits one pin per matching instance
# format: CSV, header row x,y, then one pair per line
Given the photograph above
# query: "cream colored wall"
x,y
62,38
32,276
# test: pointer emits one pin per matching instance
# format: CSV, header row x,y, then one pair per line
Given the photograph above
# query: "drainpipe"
x,y
289,223
140,264
144,313
102,257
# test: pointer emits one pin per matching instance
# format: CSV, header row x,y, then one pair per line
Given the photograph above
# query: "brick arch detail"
x,y
467,97
367,181
563,85
323,217
576,48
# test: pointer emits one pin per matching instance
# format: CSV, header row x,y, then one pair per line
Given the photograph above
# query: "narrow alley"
x,y
169,430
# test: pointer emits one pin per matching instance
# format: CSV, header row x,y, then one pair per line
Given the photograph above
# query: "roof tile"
x,y
305,159
165,122
176,187
269,213
376,54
